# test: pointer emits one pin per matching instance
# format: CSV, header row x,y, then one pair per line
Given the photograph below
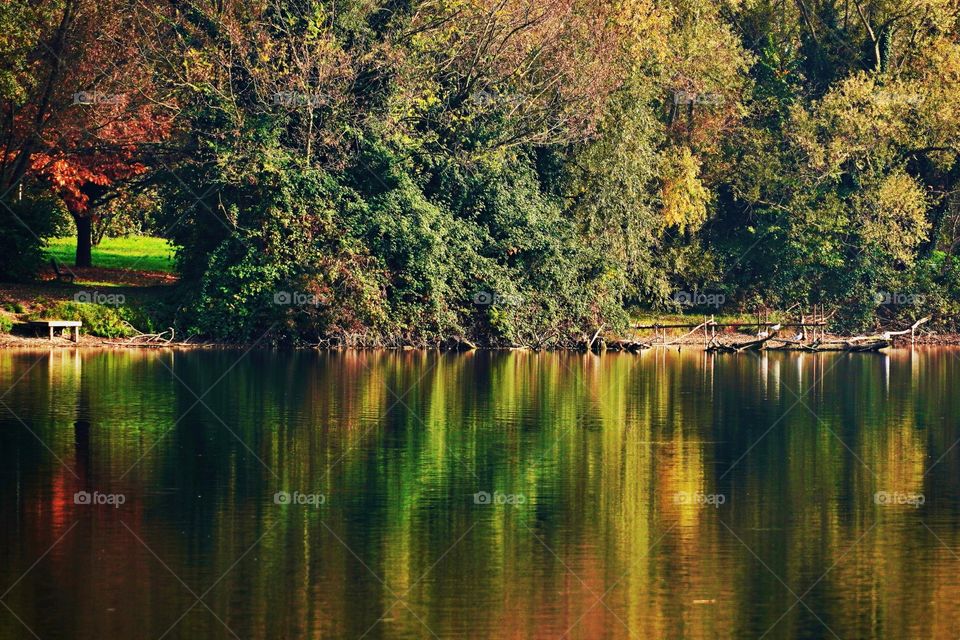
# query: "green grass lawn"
x,y
142,253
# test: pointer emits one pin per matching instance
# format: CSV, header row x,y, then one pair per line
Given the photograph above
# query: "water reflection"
x,y
667,494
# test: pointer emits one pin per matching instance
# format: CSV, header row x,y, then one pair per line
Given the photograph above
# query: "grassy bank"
x,y
144,253
127,290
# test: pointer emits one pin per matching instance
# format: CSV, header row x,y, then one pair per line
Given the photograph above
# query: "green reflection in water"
x,y
659,495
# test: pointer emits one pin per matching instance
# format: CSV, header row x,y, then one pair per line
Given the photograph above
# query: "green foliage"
x,y
24,226
447,220
471,170
385,251
6,323
98,319
930,288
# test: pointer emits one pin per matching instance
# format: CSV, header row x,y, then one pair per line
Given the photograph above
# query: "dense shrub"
x,y
386,253
24,226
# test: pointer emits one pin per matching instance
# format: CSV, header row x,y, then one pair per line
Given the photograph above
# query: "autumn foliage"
x,y
559,161
90,115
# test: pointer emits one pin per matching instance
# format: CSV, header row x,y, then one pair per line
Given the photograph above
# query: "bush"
x,y
485,254
23,230
6,324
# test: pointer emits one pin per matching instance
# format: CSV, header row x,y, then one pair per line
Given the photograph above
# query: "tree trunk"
x,y
84,241
943,211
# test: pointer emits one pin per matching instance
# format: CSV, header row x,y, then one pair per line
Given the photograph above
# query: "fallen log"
x,y
912,330
855,344
460,341
873,345
716,346
140,339
787,344
156,345
595,336
628,345
875,342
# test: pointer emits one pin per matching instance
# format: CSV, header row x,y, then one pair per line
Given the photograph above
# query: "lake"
x,y
224,494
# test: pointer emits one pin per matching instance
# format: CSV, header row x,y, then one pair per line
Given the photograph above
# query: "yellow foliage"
x,y
896,218
683,196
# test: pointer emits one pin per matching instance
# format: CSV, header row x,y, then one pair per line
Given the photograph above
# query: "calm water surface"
x,y
508,495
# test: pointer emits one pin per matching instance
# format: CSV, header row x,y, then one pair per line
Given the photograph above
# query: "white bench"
x,y
60,324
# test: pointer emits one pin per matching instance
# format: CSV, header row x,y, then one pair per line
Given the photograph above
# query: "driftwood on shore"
x,y
715,346
858,344
864,345
855,344
768,338
628,345
163,339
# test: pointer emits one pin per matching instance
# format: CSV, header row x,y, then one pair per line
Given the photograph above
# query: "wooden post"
x,y
51,333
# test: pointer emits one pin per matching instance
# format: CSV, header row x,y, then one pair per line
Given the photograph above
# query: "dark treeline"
x,y
499,171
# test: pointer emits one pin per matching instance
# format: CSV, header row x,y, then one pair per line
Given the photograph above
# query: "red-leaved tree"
x,y
93,119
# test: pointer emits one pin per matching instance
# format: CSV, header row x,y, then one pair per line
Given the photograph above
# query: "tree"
x,y
84,111
98,154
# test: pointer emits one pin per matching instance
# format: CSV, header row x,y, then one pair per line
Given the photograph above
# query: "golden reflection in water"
x,y
616,457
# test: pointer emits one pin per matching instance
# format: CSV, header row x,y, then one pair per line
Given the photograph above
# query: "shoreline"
x,y
88,342
25,300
